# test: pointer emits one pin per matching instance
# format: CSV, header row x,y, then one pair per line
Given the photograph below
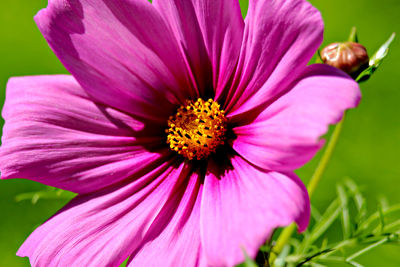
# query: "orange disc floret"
x,y
197,129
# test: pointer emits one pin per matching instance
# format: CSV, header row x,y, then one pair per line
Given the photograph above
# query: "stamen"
x,y
197,129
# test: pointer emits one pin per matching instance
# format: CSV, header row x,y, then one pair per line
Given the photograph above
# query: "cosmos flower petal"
x,y
103,228
179,243
121,52
242,205
56,135
287,134
280,38
211,34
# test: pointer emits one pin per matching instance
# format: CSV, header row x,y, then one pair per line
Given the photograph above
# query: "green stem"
x,y
312,185
323,163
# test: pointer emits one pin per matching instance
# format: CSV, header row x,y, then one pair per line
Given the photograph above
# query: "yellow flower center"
x,y
197,129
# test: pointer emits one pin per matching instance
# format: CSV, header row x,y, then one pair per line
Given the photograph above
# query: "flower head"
x,y
166,176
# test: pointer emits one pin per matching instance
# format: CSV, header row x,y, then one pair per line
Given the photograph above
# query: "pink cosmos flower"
x,y
164,176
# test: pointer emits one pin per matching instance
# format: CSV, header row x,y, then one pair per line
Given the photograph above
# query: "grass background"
x,y
368,150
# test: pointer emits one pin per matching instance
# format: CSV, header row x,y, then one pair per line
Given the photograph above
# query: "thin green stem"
x,y
323,163
312,185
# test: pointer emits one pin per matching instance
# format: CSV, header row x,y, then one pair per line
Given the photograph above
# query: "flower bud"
x,y
351,58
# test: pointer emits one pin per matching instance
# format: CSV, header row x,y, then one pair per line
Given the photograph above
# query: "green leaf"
x,y
355,192
392,227
48,193
343,198
381,218
382,52
324,243
315,264
318,59
124,263
373,231
364,250
376,60
383,201
315,214
248,261
359,201
320,227
376,216
333,259
355,264
353,35
281,259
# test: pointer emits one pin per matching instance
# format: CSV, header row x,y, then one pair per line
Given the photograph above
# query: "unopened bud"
x,y
351,58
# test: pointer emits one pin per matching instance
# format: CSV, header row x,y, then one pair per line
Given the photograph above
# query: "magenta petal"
x,y
242,206
103,228
210,33
55,134
179,243
121,52
280,38
287,133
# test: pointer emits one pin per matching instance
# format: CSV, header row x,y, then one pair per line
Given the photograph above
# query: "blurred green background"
x,y
368,150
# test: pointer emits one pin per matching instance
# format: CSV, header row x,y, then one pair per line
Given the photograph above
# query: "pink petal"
x,y
287,134
280,38
104,228
121,52
210,33
55,134
179,242
241,206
